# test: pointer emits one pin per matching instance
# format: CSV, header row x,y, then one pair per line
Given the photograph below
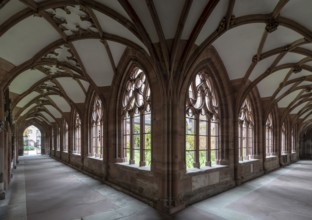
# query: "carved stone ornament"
x,y
222,25
232,20
63,54
272,25
255,58
286,48
73,20
297,69
53,69
49,84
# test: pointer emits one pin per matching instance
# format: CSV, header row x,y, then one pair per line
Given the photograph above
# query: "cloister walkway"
x,y
43,188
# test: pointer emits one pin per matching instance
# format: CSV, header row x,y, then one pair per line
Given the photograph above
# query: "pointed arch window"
x,y
246,131
283,142
269,136
136,119
58,138
202,133
293,144
96,149
53,138
77,135
65,137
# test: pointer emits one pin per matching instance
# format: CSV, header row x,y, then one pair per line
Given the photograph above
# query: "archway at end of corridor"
x,y
32,141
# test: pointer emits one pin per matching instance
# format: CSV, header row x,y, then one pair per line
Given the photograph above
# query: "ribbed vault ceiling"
x,y
61,48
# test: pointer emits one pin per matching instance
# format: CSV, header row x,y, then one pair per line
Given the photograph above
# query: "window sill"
x,y
76,154
95,158
271,157
248,161
135,166
204,169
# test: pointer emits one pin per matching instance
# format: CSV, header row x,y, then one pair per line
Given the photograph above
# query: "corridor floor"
x,y
45,189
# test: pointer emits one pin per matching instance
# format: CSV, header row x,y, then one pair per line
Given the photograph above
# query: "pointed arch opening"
x,y
284,140
136,120
246,131
96,131
202,134
270,150
32,141
77,135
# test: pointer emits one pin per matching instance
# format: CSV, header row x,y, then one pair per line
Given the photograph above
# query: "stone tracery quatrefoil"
x,y
52,70
63,54
73,20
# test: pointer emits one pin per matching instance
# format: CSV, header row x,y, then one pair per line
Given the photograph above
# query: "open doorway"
x,y
32,141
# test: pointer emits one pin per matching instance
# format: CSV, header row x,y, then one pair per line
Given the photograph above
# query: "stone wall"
x,y
271,163
94,166
249,170
200,185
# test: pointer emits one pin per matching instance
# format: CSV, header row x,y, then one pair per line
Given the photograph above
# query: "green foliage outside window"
x,y
136,144
28,148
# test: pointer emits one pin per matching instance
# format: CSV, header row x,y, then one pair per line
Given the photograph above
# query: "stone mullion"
x,y
247,140
101,138
208,142
123,143
142,140
219,148
91,150
97,153
131,141
240,140
267,141
197,164
271,141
